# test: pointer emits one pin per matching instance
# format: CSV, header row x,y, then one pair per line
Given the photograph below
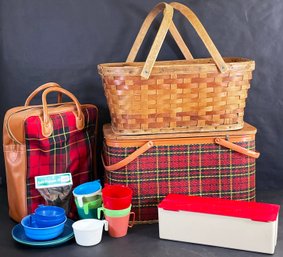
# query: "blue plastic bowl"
x,y
49,212
47,216
34,232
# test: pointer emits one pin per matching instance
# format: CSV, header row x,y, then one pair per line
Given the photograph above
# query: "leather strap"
x,y
41,88
197,25
145,27
236,148
129,158
47,126
150,144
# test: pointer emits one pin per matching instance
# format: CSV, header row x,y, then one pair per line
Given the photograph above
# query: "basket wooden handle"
x,y
158,41
47,126
145,27
199,28
165,25
149,144
41,88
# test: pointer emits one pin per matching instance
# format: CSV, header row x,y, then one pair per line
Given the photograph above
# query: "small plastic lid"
x,y
256,211
87,188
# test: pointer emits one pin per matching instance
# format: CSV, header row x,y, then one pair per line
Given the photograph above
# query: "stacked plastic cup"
x,y
117,209
88,199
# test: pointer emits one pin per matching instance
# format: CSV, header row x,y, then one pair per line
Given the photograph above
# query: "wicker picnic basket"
x,y
176,96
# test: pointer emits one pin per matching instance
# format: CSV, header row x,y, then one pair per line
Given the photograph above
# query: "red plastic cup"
x,y
116,197
118,226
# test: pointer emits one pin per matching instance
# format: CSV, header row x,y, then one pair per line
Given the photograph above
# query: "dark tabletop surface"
x,y
142,240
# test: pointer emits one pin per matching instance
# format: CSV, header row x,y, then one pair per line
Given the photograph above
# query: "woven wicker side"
x,y
176,101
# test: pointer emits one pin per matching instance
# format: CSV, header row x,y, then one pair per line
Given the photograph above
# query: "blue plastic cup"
x,y
87,192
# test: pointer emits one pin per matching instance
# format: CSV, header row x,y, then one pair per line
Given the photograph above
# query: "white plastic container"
x,y
88,232
240,225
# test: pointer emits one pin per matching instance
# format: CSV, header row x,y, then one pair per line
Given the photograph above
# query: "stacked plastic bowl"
x,y
47,222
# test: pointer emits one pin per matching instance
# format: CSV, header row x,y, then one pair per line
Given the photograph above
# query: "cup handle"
x,y
131,224
86,208
99,210
32,218
105,225
80,201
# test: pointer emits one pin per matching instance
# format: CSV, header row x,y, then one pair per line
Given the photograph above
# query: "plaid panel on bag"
x,y
66,150
201,169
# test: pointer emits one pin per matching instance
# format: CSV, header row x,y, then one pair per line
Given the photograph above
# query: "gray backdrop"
x,y
64,40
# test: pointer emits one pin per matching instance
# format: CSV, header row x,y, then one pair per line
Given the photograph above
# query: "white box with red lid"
x,y
249,226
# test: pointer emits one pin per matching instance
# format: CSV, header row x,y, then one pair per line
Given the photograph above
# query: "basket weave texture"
x,y
176,96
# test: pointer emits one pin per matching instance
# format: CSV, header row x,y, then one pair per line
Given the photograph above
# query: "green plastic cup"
x,y
89,209
113,213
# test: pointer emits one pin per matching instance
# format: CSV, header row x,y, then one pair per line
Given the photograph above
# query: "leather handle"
x,y
237,148
41,88
47,126
129,158
145,27
197,25
149,144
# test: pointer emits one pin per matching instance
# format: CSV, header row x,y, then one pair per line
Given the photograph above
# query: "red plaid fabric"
x,y
200,169
66,150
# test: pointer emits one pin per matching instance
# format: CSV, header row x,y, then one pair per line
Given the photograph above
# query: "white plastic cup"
x,y
88,232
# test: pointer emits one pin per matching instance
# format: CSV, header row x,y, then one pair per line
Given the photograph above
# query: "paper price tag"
x,y
55,180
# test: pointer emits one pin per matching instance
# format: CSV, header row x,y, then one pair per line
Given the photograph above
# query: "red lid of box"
x,y
256,211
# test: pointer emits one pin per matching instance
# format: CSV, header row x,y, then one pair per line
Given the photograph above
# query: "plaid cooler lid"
x,y
224,138
110,136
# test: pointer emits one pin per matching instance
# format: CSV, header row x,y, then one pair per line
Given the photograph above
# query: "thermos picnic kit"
x,y
215,164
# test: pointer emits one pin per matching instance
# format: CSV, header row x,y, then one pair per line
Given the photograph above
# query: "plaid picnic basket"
x,y
216,164
176,96
47,139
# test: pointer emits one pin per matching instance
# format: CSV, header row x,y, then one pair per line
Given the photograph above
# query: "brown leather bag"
x,y
47,139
